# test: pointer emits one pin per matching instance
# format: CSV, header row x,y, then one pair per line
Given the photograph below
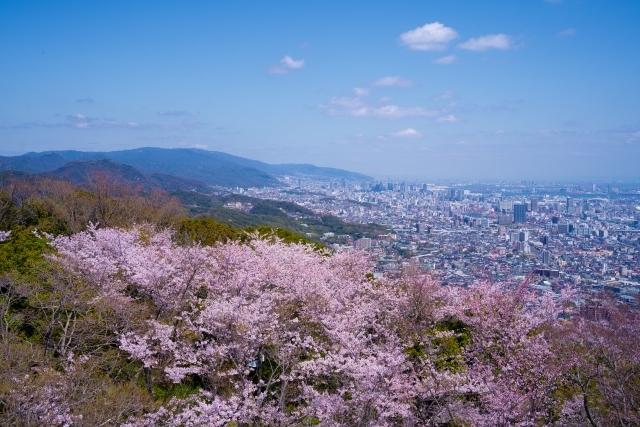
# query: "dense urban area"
x,y
550,235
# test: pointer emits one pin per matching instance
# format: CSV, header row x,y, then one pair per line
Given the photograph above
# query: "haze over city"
x,y
499,90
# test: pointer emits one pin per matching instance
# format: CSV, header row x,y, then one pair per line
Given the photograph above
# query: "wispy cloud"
x,y
358,106
634,137
80,121
448,118
393,81
431,36
286,65
395,111
77,121
292,64
407,133
567,32
85,100
174,113
446,60
488,42
360,91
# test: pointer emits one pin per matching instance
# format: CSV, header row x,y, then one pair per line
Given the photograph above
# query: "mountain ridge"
x,y
209,167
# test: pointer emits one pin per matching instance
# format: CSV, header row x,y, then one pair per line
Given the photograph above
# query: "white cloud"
x,y
431,36
292,64
447,95
81,121
634,136
392,81
286,65
357,107
360,91
407,133
394,111
446,60
567,32
490,41
449,118
174,113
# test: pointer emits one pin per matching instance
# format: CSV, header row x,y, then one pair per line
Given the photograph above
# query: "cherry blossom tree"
x,y
276,334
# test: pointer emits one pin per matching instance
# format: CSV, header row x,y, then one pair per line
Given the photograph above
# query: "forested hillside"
x,y
103,191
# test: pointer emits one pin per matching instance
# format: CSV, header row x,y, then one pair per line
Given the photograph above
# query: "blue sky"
x,y
527,89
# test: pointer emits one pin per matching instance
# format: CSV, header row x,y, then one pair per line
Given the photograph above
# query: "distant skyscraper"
x,y
546,257
563,228
455,194
519,213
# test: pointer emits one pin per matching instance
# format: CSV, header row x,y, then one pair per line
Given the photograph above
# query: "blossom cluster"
x,y
5,235
276,333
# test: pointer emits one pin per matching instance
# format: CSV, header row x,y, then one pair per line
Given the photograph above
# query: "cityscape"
x,y
585,236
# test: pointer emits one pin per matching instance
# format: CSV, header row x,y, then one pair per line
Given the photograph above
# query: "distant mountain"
x,y
88,173
311,171
33,162
209,167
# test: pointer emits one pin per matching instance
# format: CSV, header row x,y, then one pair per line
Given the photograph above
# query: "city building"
x,y
519,213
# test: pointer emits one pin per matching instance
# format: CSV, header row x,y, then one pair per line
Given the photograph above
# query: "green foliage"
x,y
23,253
445,345
167,391
206,231
274,214
416,351
450,338
285,235
311,421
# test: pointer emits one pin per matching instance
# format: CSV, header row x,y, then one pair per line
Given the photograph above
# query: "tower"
x,y
519,213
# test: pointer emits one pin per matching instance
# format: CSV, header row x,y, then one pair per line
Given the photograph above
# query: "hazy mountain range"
x,y
92,171
174,168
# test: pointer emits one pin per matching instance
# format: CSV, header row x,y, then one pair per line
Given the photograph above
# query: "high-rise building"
x,y
455,194
519,213
523,247
563,228
546,257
